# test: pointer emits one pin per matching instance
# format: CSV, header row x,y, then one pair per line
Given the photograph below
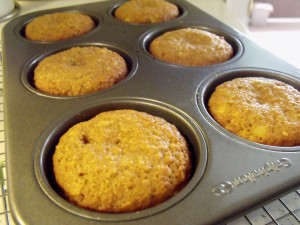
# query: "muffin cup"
x,y
28,70
208,86
49,139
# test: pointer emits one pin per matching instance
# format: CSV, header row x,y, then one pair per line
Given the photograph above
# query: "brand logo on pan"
x,y
227,187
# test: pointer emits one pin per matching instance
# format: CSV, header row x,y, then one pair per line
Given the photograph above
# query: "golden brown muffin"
x,y
79,71
58,26
262,110
121,161
146,11
191,47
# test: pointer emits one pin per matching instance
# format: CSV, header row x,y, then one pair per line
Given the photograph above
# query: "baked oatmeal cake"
x,y
79,70
146,11
259,109
58,26
191,47
121,161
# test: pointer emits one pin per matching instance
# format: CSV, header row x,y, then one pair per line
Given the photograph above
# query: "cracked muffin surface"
x,y
121,161
146,11
58,26
79,70
261,110
191,47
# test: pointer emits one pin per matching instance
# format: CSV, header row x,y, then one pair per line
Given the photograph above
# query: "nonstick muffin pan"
x,y
230,175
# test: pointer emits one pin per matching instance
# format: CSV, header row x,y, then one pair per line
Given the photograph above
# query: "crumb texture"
x,y
121,161
262,110
58,26
191,47
146,11
79,71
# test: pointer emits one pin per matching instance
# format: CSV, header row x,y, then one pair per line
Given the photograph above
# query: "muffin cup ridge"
x,y
45,149
208,85
28,69
150,35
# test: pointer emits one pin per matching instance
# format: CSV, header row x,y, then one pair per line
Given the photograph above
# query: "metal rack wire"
x,y
283,211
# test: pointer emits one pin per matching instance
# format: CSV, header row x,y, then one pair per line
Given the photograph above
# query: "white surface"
x,y
6,6
281,37
241,8
260,13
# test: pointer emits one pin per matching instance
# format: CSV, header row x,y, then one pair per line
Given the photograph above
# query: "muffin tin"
x,y
230,176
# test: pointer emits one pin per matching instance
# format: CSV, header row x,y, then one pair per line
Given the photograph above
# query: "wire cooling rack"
x,y
283,211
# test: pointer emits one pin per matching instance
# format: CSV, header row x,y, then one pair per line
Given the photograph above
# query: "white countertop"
x,y
216,8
